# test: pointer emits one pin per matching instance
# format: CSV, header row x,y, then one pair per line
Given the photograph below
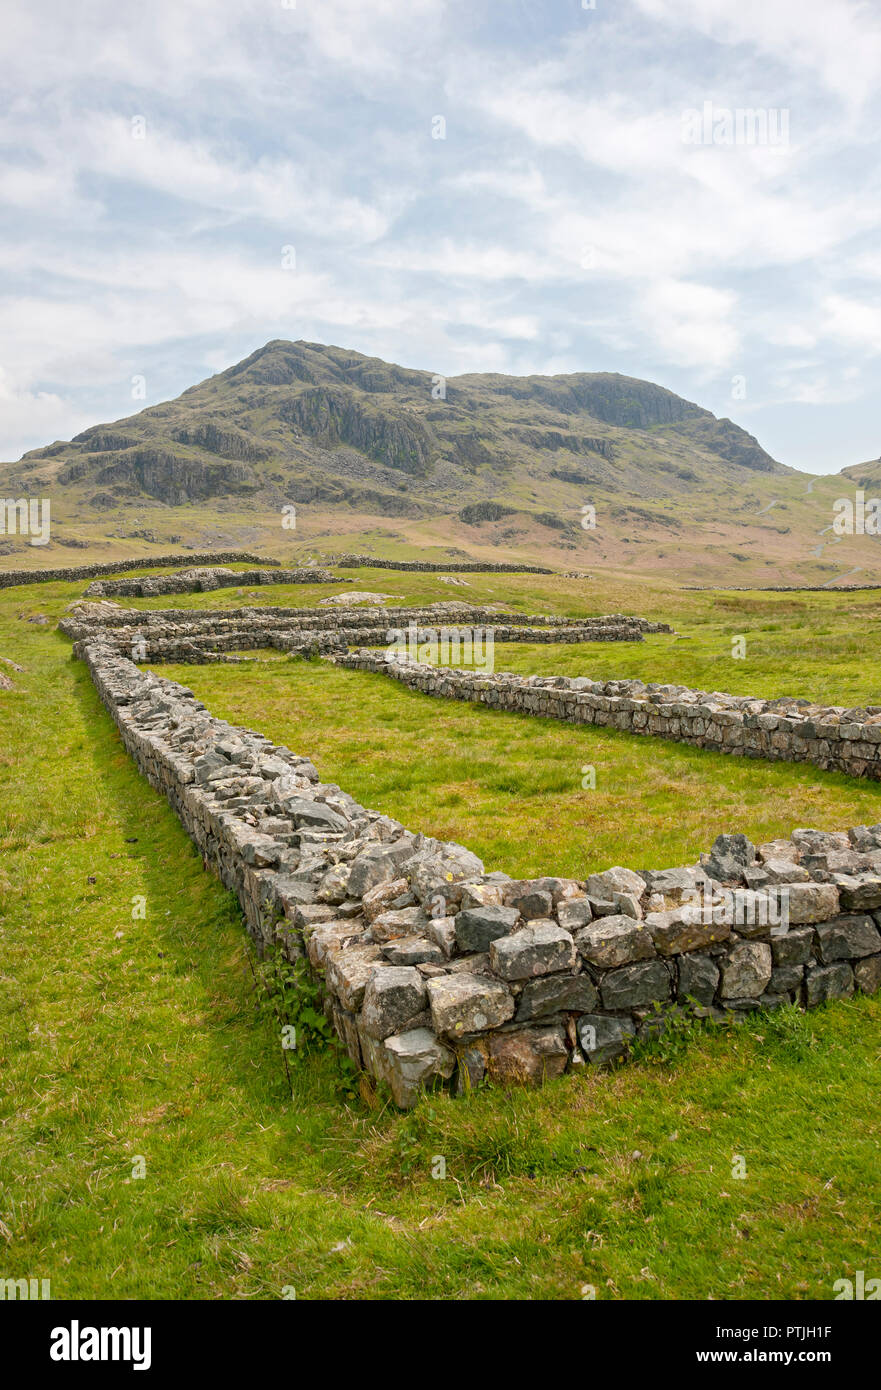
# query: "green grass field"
x,y
125,1038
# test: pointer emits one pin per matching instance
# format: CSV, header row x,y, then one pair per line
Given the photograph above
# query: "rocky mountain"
x,y
574,471
315,424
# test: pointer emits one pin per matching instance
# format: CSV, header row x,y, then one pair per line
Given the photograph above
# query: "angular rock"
x,y
536,904
728,858
634,986
309,915
698,979
680,929
471,1071
573,913
348,971
627,905
380,898
442,931
746,971
413,950
615,880
392,998
847,938
812,902
734,847
378,864
463,1003
439,873
778,849
603,1039
482,894
529,1055
257,849
793,947
612,941
780,870
407,921
556,994
478,927
409,1062
312,813
333,888
786,978
824,982
673,884
560,890
755,912
858,892
867,974
329,938
539,948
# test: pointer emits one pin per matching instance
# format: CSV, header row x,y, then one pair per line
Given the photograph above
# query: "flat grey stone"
x,y
539,948
556,994
846,938
612,941
635,986
413,950
823,982
462,1004
792,947
603,1039
478,927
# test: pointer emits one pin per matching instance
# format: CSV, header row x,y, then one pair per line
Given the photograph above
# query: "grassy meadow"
x,y
134,1044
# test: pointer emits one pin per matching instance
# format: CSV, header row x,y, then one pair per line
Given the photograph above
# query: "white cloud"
x,y
562,221
856,324
839,41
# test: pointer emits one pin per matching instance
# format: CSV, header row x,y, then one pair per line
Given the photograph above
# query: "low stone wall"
x,y
427,567
789,730
198,581
182,635
10,578
196,622
437,973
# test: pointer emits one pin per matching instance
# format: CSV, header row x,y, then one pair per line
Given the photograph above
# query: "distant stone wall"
x,y
435,973
165,621
176,635
426,567
199,581
830,588
10,578
788,730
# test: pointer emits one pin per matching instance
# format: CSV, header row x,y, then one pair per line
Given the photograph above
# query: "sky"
x,y
454,185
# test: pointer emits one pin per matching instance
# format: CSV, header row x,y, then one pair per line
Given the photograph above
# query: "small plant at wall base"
x,y
289,992
670,1033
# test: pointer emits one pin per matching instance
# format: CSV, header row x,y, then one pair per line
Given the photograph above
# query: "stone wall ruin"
x,y
436,973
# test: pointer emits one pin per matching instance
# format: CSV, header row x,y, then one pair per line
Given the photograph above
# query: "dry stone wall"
x,y
170,635
427,567
203,580
10,578
436,973
791,730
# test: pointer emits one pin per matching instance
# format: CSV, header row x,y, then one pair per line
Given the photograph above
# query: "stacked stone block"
x,y
436,973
